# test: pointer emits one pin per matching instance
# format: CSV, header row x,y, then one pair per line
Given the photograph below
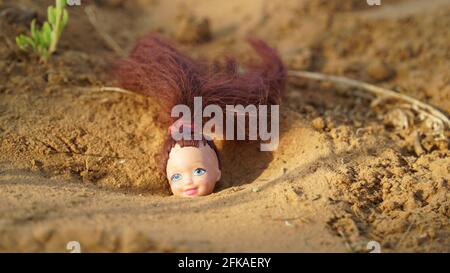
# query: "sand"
x,y
77,164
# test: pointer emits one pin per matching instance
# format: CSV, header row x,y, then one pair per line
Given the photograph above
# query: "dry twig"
x,y
92,16
107,89
382,93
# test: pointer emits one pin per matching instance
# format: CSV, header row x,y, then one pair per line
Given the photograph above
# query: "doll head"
x,y
192,167
156,69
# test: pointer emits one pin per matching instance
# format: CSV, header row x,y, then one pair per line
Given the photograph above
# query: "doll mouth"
x,y
191,191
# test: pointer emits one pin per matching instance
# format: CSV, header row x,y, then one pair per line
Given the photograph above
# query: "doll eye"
x,y
176,177
199,171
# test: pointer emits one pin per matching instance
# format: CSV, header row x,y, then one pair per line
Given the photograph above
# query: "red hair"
x,y
155,68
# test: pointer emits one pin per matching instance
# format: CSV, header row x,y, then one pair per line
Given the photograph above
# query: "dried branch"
x,y
382,93
92,16
108,89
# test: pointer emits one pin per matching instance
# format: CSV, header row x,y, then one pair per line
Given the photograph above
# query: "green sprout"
x,y
44,41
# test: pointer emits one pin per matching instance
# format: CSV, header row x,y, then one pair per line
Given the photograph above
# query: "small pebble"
x,y
42,233
379,71
317,197
255,190
318,123
193,30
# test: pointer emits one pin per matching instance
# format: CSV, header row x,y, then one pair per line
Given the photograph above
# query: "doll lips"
x,y
191,191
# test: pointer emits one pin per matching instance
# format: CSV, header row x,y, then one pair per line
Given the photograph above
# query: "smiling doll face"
x,y
192,171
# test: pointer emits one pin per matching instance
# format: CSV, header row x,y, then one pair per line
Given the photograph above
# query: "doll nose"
x,y
189,181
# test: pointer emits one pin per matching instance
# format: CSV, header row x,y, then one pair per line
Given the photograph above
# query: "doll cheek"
x,y
174,188
208,184
177,186
207,188
178,190
203,180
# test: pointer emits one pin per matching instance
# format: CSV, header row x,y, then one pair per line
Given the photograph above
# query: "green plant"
x,y
44,41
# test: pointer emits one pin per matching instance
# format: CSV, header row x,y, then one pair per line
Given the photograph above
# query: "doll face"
x,y
192,171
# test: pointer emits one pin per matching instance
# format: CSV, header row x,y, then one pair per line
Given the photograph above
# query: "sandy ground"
x,y
79,165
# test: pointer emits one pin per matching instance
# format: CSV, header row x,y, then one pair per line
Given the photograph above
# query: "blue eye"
x,y
176,177
199,171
